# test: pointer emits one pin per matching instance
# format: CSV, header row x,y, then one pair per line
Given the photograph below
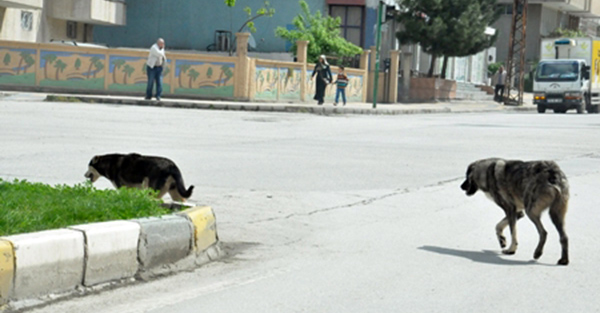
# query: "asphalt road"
x,y
333,214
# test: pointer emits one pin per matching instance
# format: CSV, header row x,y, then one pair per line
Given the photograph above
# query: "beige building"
x,y
47,20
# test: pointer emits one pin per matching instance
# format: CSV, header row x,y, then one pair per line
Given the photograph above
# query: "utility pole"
x,y
377,48
515,66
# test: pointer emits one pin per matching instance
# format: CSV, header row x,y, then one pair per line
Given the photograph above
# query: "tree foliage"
x,y
323,33
265,10
566,33
447,27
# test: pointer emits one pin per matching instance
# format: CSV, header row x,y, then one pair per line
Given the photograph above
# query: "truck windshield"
x,y
557,71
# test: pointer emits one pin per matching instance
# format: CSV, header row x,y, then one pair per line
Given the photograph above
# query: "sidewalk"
x,y
326,109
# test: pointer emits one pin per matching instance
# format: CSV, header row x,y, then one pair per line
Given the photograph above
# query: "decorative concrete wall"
x,y
62,68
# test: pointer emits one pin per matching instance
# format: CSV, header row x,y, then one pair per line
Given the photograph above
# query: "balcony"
x,y
100,12
22,4
581,8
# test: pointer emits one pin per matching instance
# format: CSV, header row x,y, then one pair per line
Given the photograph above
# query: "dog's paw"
x,y
502,241
537,254
508,252
563,262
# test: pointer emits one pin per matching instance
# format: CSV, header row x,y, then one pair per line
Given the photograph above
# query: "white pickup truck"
x,y
568,76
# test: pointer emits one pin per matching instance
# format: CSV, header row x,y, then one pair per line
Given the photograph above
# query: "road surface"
x,y
333,213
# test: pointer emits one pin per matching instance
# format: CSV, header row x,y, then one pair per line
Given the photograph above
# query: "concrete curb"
x,y
58,263
266,107
7,270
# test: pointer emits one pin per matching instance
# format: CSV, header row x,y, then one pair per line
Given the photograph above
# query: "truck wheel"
x,y
594,109
541,108
580,109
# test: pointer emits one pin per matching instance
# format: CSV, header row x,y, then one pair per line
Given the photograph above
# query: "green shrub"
x,y
29,207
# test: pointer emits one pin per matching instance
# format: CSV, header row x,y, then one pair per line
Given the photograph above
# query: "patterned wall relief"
x,y
354,90
18,66
71,70
289,83
215,79
267,79
129,74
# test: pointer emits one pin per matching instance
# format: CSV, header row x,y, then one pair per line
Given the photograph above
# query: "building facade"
x,y
544,17
54,20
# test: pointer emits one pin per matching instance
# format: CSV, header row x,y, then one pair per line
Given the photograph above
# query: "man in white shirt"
x,y
154,68
500,81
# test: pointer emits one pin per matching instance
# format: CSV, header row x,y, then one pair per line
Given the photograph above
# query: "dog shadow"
x,y
484,256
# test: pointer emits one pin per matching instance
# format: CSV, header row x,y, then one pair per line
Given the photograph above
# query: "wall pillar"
x,y
301,57
392,96
406,67
364,64
242,73
372,74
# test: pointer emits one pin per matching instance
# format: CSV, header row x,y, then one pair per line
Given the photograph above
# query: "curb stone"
x,y
53,264
265,107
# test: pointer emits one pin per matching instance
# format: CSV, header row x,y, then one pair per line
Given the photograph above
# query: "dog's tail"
x,y
181,186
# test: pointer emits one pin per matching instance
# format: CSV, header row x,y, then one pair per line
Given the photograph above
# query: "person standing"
x,y
323,73
500,81
341,82
154,68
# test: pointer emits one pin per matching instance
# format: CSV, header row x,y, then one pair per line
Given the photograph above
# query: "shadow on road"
x,y
484,256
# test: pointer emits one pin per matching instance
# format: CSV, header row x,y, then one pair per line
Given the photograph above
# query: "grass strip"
x,y
29,207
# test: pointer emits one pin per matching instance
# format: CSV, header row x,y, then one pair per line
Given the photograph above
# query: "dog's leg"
x,y
534,211
557,214
512,223
146,183
499,231
176,196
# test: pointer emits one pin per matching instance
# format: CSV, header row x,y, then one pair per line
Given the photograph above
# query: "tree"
x,y
29,61
99,66
127,71
116,65
209,72
78,64
60,66
447,27
48,58
6,59
266,10
323,32
193,74
182,69
93,61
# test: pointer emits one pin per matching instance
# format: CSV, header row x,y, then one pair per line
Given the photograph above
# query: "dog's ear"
x,y
95,160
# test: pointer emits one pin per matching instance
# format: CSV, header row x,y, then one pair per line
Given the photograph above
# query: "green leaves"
x,y
323,33
266,10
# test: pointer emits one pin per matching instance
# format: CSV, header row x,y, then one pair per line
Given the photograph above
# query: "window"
x,y
72,30
26,20
352,22
505,9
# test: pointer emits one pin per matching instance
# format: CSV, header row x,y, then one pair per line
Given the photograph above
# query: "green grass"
x,y
29,207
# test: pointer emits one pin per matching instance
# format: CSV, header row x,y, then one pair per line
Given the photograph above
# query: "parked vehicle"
x,y
563,80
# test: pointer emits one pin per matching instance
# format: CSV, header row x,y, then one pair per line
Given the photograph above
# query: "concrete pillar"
x,y
301,56
364,64
392,96
406,66
242,73
371,80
